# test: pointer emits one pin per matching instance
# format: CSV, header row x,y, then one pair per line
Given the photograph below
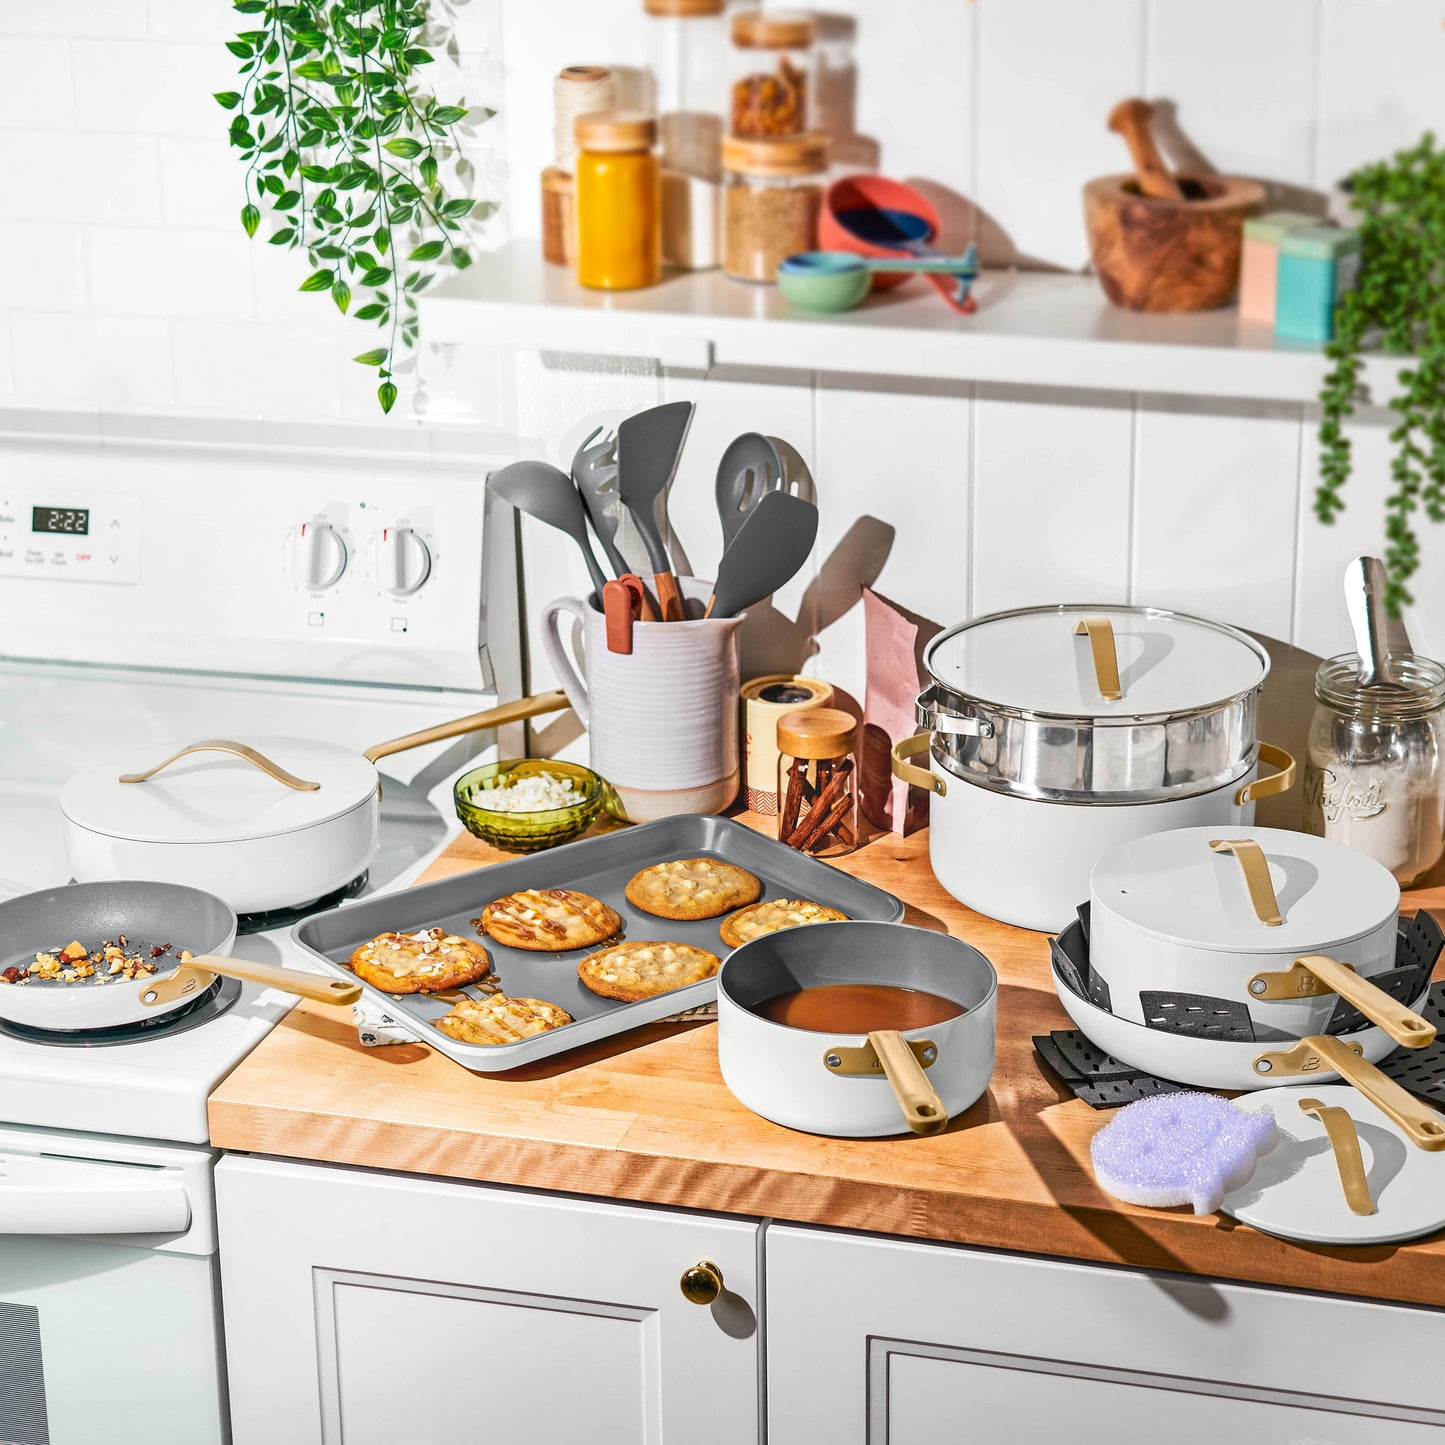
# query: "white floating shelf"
x,y
1030,329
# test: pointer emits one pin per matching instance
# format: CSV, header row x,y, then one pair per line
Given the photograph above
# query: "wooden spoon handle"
x,y
1130,118
669,597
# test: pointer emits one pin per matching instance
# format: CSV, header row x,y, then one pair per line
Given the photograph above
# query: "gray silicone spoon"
x,y
771,545
547,493
750,466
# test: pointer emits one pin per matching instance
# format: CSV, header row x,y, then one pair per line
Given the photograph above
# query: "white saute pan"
x,y
857,1085
266,822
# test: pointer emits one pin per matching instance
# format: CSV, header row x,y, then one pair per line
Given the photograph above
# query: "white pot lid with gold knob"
x,y
1175,886
207,795
1066,661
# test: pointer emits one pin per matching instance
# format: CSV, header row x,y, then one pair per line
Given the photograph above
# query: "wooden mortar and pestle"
x,y
1165,242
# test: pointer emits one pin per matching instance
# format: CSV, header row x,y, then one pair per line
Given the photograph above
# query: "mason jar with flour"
x,y
1375,779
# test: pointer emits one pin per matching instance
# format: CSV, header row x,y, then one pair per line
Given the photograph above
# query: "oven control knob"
x,y
403,561
318,556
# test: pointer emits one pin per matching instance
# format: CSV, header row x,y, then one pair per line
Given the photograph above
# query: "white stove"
x,y
155,593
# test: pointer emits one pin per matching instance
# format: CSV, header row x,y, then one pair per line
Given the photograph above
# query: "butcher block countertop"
x,y
647,1117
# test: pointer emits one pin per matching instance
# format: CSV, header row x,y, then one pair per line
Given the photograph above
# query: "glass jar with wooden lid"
x,y
773,193
618,212
688,56
818,781
771,63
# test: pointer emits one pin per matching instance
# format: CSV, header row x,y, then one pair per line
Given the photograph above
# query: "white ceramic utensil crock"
x,y
661,720
1056,733
1212,912
826,1083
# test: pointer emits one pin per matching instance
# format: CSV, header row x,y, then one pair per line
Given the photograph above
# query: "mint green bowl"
x,y
527,832
824,281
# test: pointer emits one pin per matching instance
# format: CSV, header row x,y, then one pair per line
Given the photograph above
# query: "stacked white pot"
x,y
1055,734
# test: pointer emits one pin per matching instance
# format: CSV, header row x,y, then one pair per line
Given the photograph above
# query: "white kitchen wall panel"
x,y
168,88
1048,73
74,17
201,186
79,176
1235,83
37,84
187,20
183,274
42,258
114,360
1215,498
1051,497
279,371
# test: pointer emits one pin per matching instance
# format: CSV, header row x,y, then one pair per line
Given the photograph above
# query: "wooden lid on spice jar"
x,y
817,732
779,30
616,130
684,8
792,155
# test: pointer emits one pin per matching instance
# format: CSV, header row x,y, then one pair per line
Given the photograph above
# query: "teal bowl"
x,y
824,280
527,832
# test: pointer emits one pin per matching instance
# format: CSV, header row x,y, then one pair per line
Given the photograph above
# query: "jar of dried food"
x,y
618,227
771,55
1375,779
818,781
772,195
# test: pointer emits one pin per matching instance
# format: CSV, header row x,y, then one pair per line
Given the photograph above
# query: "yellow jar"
x,y
619,237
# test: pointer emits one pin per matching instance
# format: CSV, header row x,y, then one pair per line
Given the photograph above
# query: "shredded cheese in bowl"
x,y
534,793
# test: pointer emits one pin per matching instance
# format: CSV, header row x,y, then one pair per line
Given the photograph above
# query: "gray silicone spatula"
x,y
771,545
749,467
648,448
547,493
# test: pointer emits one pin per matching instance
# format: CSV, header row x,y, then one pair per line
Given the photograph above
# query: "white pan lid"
x,y
1033,661
216,797
1174,886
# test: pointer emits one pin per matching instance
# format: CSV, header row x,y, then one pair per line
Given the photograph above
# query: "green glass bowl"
x,y
527,832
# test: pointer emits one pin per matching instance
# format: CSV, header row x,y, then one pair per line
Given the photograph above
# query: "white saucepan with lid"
x,y
1056,733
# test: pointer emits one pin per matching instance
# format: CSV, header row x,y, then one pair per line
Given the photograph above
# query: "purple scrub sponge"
x,y
1180,1149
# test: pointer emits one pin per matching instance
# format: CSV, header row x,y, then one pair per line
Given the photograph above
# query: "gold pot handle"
x,y
1345,1143
1315,974
1253,865
1422,1126
1106,655
198,973
923,1110
1277,782
237,750
493,717
915,776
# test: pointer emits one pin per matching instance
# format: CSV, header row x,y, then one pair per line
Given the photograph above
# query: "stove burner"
x,y
284,917
209,1005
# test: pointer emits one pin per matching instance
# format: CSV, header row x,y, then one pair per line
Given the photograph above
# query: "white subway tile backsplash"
x,y
7,381
202,184
1215,498
79,176
42,266
194,20
75,17
165,88
92,359
37,88
189,274
255,369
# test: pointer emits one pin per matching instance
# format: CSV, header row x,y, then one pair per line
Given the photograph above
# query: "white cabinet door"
x,y
372,1309
893,1343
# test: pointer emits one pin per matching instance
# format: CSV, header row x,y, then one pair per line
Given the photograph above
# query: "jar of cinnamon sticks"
x,y
818,781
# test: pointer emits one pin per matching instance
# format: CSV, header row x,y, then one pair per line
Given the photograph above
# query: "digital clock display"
x,y
73,521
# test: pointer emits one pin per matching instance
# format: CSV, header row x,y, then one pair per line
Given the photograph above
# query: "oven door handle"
x,y
48,1195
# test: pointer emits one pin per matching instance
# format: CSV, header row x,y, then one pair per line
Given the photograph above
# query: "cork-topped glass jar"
x,y
771,63
772,198
619,245
818,781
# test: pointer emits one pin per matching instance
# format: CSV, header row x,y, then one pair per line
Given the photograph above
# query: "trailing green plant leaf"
x,y
345,143
1398,303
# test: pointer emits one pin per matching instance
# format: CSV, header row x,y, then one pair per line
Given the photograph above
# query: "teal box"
x,y
1317,265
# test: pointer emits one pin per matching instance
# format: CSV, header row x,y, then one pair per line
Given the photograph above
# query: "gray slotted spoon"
x,y
547,493
594,469
750,466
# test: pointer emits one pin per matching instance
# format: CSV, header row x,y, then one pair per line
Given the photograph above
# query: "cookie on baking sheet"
x,y
548,920
633,971
692,888
501,1020
774,916
427,961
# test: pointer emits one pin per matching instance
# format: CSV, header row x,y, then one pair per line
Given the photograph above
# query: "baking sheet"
x,y
601,866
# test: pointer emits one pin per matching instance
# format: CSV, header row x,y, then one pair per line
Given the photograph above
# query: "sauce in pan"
x,y
858,1008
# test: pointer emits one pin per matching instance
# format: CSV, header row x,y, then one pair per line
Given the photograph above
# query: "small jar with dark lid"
x,y
771,62
772,197
619,236
818,781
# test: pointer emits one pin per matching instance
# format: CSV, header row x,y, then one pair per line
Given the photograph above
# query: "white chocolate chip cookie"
x,y
501,1020
772,917
692,888
427,961
548,919
633,971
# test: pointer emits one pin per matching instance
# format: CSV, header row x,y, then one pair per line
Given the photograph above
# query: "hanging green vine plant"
x,y
345,145
1398,303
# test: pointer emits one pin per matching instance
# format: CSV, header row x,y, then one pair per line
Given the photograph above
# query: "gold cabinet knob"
x,y
703,1283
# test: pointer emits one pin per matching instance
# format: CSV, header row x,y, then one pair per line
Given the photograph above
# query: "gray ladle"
x,y
547,493
750,466
771,545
